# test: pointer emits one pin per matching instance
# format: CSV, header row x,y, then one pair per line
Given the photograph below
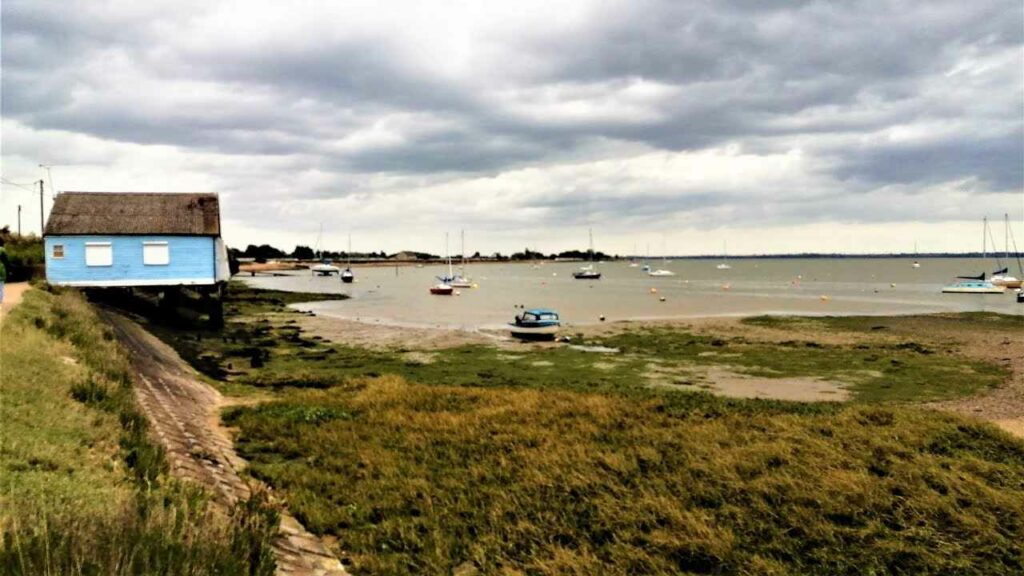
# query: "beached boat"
x,y
588,272
536,324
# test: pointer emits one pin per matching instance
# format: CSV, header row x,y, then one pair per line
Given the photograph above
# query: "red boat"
x,y
442,289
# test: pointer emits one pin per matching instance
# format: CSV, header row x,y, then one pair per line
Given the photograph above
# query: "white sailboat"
x,y
347,276
723,265
588,272
916,264
976,284
1002,276
444,286
664,258
460,280
324,268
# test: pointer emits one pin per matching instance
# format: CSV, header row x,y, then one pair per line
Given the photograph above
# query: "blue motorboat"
x,y
536,324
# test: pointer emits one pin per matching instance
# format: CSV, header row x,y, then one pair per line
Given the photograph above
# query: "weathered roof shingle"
x,y
128,213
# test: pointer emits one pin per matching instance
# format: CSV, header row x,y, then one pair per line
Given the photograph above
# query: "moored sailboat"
x,y
460,280
347,276
444,285
588,272
1002,277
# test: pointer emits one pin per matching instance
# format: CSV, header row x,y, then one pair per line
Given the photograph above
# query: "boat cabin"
x,y
538,317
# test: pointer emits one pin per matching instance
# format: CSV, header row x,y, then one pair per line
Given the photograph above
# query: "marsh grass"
x,y
84,490
418,479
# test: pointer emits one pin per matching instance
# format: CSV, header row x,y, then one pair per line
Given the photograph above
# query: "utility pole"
x,y
42,218
19,219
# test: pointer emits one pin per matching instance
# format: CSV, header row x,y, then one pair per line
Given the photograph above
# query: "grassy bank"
x,y
553,460
84,489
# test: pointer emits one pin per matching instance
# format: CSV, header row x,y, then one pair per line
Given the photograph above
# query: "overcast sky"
x,y
781,127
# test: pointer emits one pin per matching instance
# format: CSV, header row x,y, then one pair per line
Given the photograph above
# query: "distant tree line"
x,y
265,252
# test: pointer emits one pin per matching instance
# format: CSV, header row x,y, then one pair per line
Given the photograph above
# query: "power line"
x,y
22,186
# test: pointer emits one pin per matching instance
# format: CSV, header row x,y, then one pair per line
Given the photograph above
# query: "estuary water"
x,y
399,295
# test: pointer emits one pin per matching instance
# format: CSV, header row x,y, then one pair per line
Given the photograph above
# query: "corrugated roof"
x,y
77,213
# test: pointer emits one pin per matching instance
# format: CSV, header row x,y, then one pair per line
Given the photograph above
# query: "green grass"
x,y
417,479
83,487
905,324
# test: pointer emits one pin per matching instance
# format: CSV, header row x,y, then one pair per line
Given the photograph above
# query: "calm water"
x,y
851,286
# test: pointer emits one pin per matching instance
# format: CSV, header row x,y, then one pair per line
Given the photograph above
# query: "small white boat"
x,y
1006,280
324,269
973,287
724,266
660,272
916,264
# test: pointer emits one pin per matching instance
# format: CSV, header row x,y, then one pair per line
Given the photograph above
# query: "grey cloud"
x,y
762,75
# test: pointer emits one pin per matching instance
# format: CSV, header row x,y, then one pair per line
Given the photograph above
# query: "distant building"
x,y
104,239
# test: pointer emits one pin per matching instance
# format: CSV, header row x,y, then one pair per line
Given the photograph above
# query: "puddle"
x,y
597,349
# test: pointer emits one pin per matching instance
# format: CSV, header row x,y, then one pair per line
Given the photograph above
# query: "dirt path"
x,y
184,413
12,296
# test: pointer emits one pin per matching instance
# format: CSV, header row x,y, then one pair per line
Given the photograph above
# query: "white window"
x,y
99,254
58,251
156,254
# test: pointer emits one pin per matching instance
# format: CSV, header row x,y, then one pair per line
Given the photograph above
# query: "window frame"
x,y
110,248
53,251
166,261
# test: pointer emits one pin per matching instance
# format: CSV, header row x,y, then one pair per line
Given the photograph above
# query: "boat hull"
x,y
347,279
1007,282
534,333
442,290
972,290
587,275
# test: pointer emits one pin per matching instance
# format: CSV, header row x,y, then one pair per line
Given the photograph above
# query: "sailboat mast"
x,y
1006,237
984,237
463,271
448,255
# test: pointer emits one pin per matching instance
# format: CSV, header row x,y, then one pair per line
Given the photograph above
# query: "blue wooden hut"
x,y
104,239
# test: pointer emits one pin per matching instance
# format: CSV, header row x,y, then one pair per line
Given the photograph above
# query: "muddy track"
x,y
184,414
